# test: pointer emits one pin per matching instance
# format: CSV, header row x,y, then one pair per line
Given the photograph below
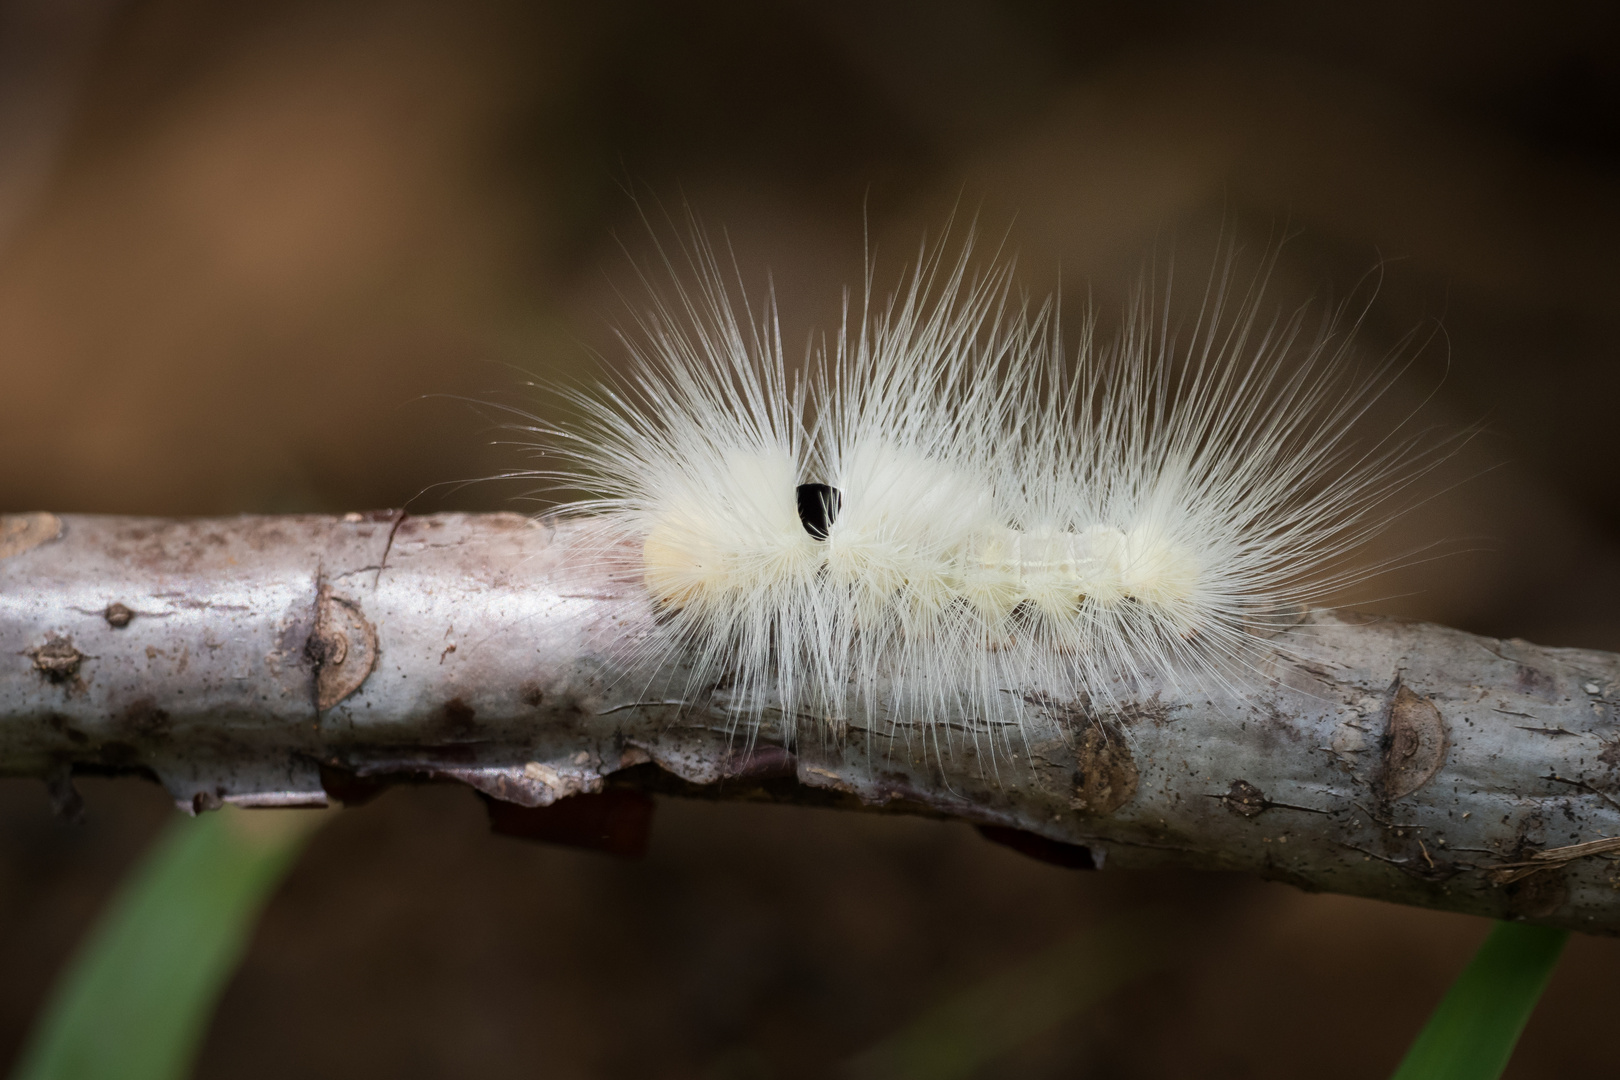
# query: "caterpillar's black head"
x,y
818,508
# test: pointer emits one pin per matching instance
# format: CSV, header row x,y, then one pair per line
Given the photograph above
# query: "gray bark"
x,y
279,661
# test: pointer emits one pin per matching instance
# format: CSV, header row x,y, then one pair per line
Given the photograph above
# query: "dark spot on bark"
x,y
1244,799
459,717
759,763
617,821
321,650
1610,754
1069,856
57,659
1277,731
1537,896
1105,776
118,616
1534,681
533,696
144,720
1531,825
207,800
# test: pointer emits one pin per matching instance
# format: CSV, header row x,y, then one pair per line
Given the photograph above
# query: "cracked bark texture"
x,y
300,660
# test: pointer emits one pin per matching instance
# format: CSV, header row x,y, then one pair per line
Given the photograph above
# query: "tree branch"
x,y
277,661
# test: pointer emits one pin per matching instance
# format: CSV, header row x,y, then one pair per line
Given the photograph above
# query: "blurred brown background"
x,y
250,254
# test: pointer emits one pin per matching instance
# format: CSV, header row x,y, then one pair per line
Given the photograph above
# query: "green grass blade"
x,y
958,1037
1472,1032
136,1000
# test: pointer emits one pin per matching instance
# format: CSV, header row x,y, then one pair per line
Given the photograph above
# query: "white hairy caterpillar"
x,y
947,506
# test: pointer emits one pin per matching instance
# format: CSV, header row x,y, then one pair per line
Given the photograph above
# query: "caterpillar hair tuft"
x,y
947,511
